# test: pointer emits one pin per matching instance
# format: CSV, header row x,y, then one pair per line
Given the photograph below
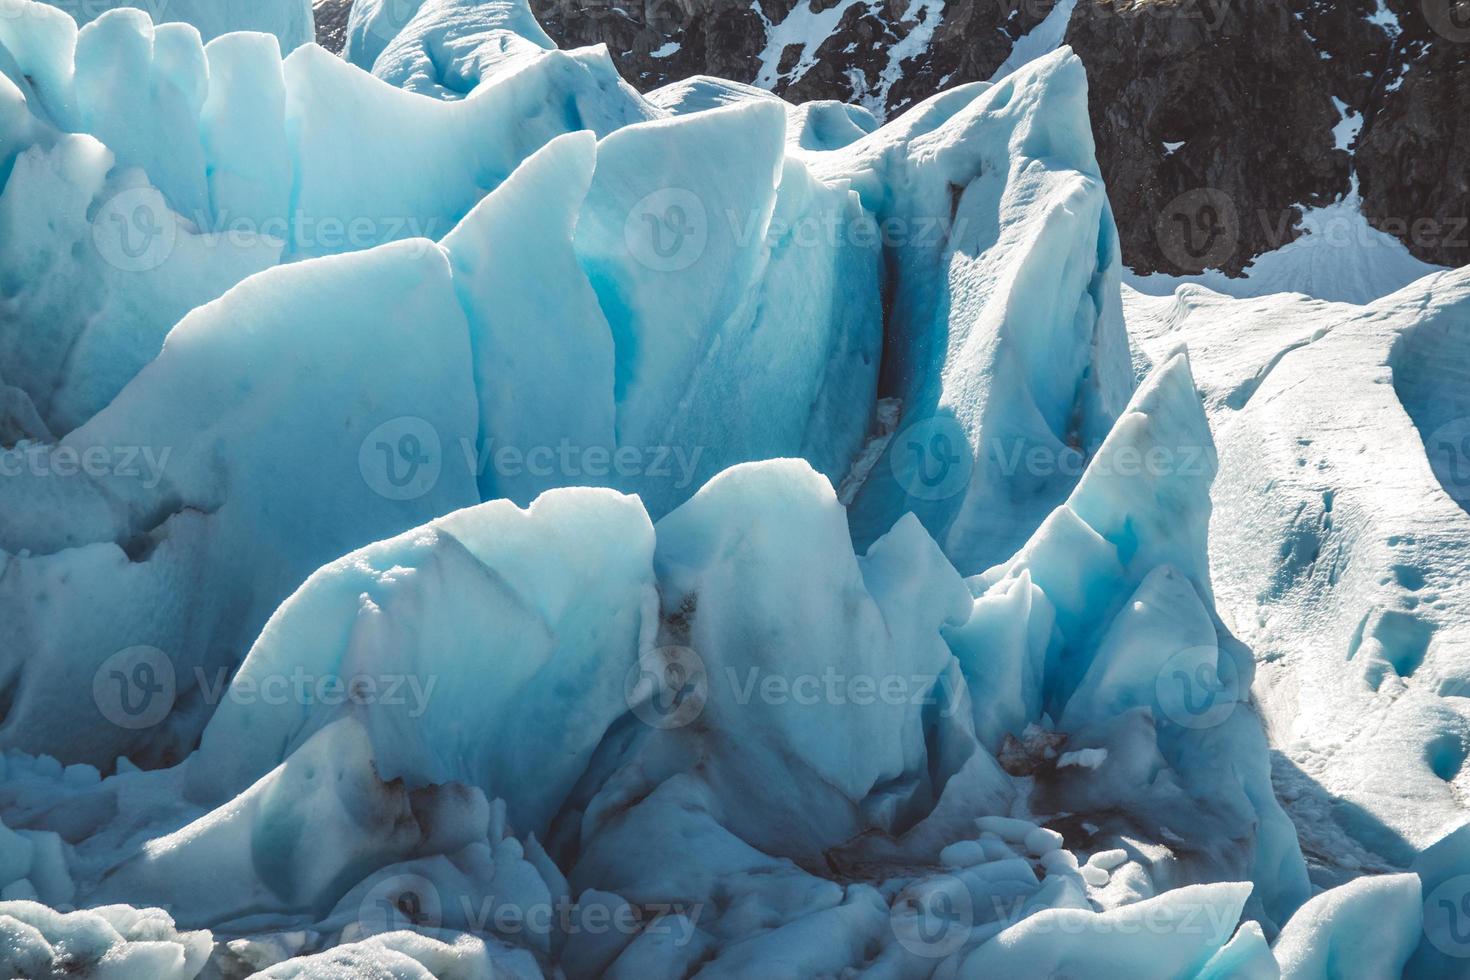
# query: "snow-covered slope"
x,y
1340,258
1339,546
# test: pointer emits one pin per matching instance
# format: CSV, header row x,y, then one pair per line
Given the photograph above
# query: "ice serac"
x,y
445,48
546,606
122,54
1138,663
145,174
464,149
736,591
249,453
1101,649
290,21
824,125
830,125
98,270
1004,335
438,736
704,92
543,350
735,678
743,328
95,260
242,127
1184,928
1444,882
1366,928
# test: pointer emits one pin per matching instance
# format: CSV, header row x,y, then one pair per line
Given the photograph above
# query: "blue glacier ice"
x,y
461,517
290,21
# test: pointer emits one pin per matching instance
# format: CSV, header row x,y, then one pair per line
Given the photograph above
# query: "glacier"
x,y
291,21
462,517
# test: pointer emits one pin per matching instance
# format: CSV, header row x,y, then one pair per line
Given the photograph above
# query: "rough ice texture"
x,y
480,602
290,21
1340,547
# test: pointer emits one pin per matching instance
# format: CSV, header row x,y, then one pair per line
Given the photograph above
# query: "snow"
x,y
1333,546
1086,758
1038,42
1366,928
1345,133
925,16
805,26
110,943
444,48
1386,18
1339,257
409,955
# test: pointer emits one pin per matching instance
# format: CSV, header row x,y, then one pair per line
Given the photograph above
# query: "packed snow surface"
x,y
461,517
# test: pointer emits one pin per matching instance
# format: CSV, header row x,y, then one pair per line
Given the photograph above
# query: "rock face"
x,y
331,23
658,41
1414,154
1212,122
1216,120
